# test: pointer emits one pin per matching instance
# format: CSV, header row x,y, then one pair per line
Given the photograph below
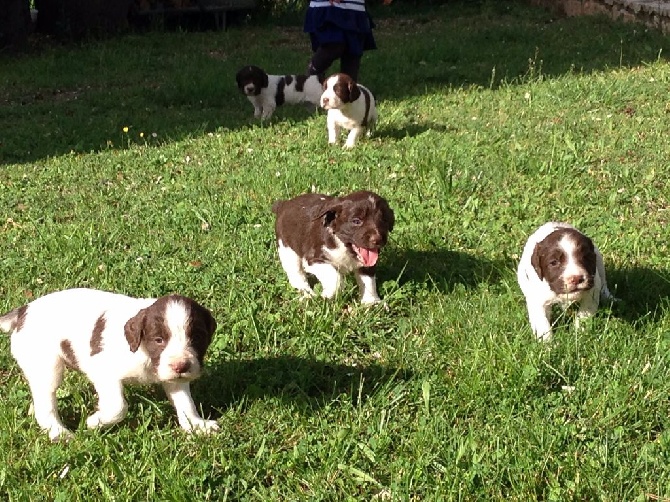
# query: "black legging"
x,y
326,54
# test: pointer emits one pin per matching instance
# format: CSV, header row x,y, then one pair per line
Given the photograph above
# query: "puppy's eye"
x,y
159,340
554,263
357,221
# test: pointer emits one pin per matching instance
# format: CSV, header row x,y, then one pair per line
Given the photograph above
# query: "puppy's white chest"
x,y
343,120
340,257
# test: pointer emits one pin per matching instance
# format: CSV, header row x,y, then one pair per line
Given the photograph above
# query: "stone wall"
x,y
653,13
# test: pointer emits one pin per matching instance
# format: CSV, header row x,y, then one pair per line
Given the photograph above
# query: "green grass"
x,y
494,118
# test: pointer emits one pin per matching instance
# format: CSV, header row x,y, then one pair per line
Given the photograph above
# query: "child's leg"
x,y
350,65
324,57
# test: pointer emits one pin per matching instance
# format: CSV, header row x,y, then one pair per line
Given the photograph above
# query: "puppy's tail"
x,y
277,206
13,320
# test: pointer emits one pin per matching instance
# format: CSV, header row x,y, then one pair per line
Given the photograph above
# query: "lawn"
x,y
134,165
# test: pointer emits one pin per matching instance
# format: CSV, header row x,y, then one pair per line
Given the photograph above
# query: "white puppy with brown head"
x,y
350,106
113,339
560,265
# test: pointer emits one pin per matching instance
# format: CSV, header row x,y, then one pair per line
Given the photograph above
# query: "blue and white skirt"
x,y
345,22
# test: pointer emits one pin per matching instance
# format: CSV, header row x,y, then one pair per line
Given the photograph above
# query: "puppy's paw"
x,y
584,319
202,427
377,303
608,298
370,300
94,421
58,433
107,416
306,295
267,114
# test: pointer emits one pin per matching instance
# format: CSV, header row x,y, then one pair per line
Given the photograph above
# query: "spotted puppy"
x,y
267,92
560,265
113,339
329,237
350,106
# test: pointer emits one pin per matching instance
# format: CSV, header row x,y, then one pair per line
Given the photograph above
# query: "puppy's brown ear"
x,y
204,320
209,321
592,247
536,260
134,330
328,211
387,214
263,78
354,91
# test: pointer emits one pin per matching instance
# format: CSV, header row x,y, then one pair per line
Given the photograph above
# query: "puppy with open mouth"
x,y
329,237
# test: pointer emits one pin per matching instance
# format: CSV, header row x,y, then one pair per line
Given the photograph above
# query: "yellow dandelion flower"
x,y
141,135
125,129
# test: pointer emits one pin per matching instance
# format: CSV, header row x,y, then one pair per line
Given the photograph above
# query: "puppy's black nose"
x,y
324,101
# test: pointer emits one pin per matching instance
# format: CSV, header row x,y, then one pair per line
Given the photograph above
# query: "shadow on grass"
x,y
410,130
307,383
644,293
444,269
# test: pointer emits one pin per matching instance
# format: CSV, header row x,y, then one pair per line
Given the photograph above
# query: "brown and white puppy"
x,y
267,92
113,339
329,237
560,265
350,106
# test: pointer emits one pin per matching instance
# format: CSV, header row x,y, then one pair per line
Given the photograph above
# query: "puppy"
x,y
267,92
329,237
560,265
113,339
350,106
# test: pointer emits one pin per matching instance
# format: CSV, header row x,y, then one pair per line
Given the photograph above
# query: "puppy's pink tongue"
x,y
368,256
